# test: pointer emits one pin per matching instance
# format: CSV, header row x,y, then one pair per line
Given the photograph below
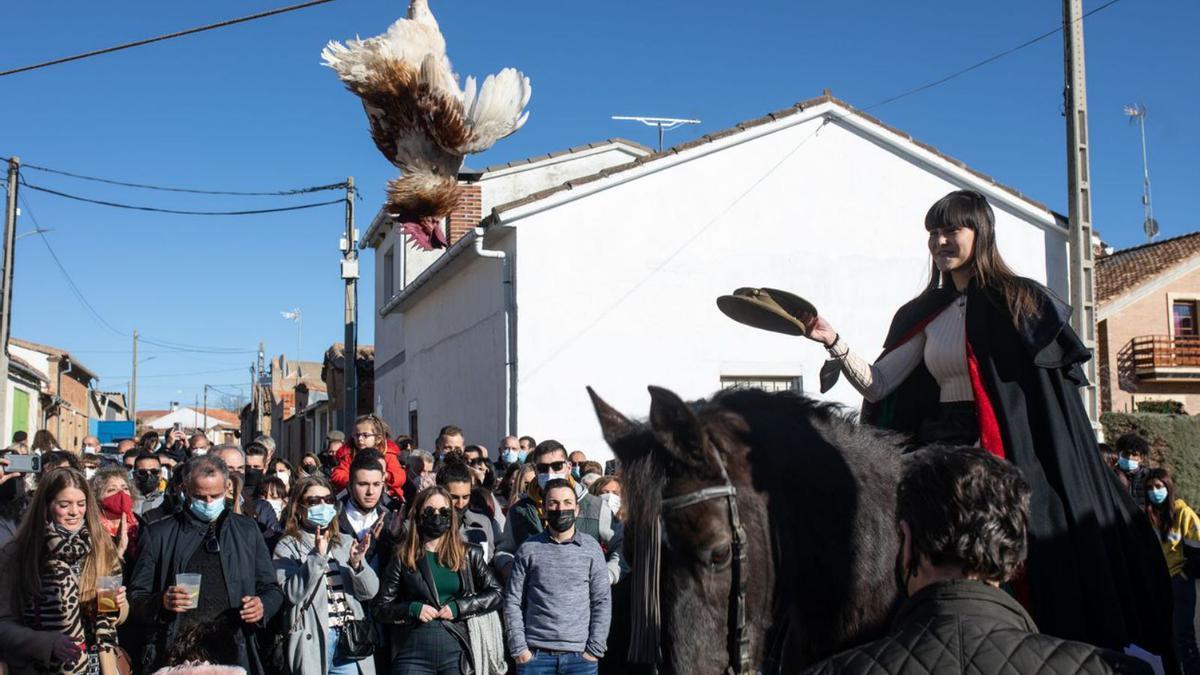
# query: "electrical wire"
x,y
75,290
984,62
182,212
198,372
160,38
197,191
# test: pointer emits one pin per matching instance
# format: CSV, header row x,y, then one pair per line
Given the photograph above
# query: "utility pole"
x,y
204,424
6,282
1079,186
133,384
349,246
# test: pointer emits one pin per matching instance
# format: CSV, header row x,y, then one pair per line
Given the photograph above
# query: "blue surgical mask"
x,y
321,515
1158,495
1127,464
575,472
522,456
207,511
509,456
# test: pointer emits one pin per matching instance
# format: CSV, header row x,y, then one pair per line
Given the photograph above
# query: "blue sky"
x,y
250,108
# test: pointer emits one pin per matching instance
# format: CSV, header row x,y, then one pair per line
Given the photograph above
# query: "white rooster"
x,y
421,120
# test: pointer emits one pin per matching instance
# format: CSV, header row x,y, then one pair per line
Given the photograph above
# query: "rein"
x,y
645,582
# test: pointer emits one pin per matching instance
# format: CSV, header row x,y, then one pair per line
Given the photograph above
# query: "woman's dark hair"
x,y
505,487
405,443
43,440
1133,444
297,510
454,470
970,209
210,642
1161,515
56,458
1108,455
966,508
265,487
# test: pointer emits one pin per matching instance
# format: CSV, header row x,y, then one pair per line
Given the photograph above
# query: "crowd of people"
x,y
368,556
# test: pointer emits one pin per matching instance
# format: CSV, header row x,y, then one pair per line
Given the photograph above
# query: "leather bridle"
x,y
739,633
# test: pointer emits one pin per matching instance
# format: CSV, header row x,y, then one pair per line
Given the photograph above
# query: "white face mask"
x,y
90,450
199,452
612,500
89,472
283,476
277,505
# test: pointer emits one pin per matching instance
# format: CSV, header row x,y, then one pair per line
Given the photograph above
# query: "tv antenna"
x,y
1137,113
663,124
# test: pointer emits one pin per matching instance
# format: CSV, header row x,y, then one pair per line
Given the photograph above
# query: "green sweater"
x,y
445,582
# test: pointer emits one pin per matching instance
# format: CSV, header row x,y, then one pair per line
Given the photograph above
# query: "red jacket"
x,y
340,477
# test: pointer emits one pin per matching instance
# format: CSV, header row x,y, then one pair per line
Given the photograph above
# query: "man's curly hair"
x,y
966,508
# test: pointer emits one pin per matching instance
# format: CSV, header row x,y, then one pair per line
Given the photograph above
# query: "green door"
x,y
20,411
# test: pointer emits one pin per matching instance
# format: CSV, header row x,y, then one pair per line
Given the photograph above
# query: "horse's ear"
x,y
613,424
677,427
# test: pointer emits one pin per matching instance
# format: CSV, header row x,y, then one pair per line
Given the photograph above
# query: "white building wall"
x,y
452,337
617,290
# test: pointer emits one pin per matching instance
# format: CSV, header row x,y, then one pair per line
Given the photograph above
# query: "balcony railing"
x,y
1150,358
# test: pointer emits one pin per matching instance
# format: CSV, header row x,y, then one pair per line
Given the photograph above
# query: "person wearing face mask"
x,y
962,515
475,527
327,582
608,489
272,494
50,613
281,469
1178,528
431,587
1132,452
527,518
237,576
111,487
310,464
420,474
510,453
558,604
90,446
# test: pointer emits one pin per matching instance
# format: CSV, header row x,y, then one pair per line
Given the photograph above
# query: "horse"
x,y
761,529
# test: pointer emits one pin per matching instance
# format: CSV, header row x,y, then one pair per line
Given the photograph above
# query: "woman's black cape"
x,y
1095,569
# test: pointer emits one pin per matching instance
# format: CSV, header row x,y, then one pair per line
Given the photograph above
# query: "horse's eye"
x,y
720,556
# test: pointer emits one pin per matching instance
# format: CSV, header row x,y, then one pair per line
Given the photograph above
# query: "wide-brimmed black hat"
x,y
769,309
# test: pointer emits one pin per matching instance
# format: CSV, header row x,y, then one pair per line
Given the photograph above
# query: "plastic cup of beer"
x,y
191,583
106,594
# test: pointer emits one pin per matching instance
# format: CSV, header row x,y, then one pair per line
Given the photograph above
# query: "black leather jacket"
x,y
401,586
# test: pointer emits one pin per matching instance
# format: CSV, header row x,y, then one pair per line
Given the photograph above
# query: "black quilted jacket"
x,y
972,628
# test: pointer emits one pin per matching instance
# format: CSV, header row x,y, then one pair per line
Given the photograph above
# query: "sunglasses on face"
x,y
478,461
551,466
147,473
430,512
317,501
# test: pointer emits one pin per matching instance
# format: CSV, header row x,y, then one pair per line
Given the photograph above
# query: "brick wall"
x,y
1149,316
468,213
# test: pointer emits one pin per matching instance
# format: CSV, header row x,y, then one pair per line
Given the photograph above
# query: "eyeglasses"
x,y
478,461
316,501
551,466
430,512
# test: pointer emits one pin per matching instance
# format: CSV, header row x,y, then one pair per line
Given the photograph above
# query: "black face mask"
x,y
147,485
434,526
560,521
254,477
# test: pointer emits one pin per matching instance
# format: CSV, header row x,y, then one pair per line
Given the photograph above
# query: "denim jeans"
x,y
336,663
557,663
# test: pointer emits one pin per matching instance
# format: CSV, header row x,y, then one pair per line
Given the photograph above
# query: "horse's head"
x,y
672,458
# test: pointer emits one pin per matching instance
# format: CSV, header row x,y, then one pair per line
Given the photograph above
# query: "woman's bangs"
x,y
955,210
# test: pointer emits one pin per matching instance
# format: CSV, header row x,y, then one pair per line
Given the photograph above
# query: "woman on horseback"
x,y
983,356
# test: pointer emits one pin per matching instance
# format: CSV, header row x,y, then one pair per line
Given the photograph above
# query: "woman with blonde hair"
x,y
326,583
429,633
51,619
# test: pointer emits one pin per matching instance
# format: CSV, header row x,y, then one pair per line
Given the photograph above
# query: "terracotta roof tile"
x,y
54,351
1121,271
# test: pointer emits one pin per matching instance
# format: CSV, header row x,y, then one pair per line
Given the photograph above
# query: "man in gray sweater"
x,y
558,603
